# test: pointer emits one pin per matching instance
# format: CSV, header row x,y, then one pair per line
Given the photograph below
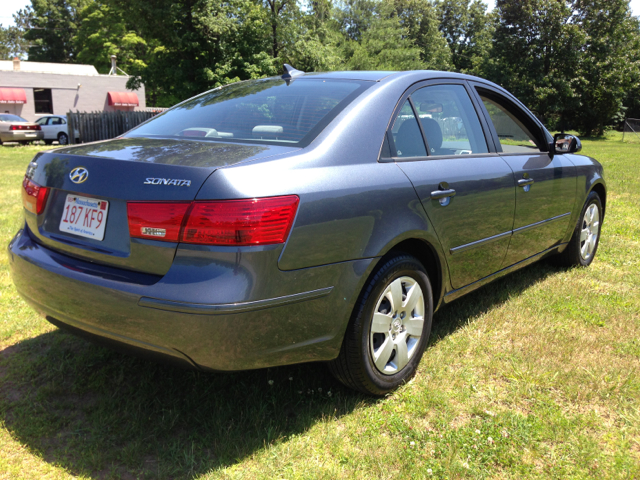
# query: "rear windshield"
x,y
11,118
261,111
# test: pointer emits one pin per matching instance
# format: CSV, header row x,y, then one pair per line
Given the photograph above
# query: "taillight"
x,y
254,221
25,127
156,220
34,197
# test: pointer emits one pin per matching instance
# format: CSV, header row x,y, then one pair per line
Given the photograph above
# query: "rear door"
x,y
545,186
466,188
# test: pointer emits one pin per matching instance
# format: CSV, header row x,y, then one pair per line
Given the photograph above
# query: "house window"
x,y
42,100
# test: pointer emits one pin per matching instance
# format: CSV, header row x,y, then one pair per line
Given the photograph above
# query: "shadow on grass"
x,y
102,414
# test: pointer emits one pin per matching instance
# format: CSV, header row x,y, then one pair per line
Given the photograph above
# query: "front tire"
x,y
584,242
389,328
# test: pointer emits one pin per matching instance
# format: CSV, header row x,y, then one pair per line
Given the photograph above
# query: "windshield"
x,y
11,118
261,111
42,120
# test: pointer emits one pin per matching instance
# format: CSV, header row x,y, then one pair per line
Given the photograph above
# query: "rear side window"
x,y
512,132
449,120
406,134
263,111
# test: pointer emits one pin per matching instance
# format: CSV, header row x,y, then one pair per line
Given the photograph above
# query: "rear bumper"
x,y
20,136
216,317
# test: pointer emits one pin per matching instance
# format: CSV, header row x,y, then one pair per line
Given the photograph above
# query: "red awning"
x,y
13,95
123,99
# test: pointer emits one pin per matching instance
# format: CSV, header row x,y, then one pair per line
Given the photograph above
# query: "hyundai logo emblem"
x,y
79,174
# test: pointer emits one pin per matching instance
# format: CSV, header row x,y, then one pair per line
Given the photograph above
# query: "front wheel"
x,y
583,245
388,330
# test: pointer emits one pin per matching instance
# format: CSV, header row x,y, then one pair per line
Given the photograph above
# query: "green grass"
x,y
536,375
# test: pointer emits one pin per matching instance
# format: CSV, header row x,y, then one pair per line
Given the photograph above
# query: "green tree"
x,y
608,65
374,37
103,32
197,45
12,43
468,31
50,28
536,55
418,18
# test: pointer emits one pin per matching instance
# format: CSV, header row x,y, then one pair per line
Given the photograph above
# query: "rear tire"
x,y
63,138
389,328
584,242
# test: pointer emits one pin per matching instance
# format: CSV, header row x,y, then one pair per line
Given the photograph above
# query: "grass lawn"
x,y
536,375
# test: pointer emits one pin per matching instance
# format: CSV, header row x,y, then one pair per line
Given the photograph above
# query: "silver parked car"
x,y
16,129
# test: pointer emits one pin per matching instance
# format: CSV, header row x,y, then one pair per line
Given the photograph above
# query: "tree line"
x,y
575,63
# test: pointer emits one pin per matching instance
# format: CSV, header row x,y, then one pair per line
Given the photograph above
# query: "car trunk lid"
x,y
121,171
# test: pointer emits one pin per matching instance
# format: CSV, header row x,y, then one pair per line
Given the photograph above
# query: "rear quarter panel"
x,y
351,206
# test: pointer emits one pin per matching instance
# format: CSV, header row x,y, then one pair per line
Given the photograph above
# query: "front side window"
x,y
56,121
513,134
449,120
263,111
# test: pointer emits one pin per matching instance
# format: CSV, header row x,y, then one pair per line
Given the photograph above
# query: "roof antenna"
x,y
290,74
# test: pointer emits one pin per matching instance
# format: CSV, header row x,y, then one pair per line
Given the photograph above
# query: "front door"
x,y
466,191
545,186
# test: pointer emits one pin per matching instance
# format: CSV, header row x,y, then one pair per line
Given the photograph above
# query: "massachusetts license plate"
x,y
84,216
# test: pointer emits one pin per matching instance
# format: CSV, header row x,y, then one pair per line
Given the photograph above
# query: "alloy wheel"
x,y
590,231
397,325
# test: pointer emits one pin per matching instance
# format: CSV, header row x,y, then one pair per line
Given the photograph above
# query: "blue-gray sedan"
x,y
309,217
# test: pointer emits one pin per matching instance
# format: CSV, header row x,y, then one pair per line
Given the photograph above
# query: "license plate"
x,y
84,216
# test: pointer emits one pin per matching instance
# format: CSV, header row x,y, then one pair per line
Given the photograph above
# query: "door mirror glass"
x,y
565,143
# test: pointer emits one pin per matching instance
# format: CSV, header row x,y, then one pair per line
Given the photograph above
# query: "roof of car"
x,y
376,75
373,76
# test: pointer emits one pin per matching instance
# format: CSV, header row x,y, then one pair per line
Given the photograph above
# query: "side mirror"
x,y
565,143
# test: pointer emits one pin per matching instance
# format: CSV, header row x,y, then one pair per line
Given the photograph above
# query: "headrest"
x,y
409,140
433,133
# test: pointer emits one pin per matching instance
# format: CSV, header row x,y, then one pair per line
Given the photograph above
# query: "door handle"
x,y
438,194
523,182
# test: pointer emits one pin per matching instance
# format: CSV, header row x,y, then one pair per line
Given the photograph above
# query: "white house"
x,y
31,89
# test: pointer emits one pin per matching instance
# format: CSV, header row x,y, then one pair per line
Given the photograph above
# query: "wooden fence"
x,y
93,126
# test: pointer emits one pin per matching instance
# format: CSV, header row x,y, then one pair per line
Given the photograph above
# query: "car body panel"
x,y
470,226
543,211
297,332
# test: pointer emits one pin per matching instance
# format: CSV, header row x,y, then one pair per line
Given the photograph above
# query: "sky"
x,y
9,7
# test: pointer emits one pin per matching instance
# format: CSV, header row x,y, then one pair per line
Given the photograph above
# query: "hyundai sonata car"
x,y
308,217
